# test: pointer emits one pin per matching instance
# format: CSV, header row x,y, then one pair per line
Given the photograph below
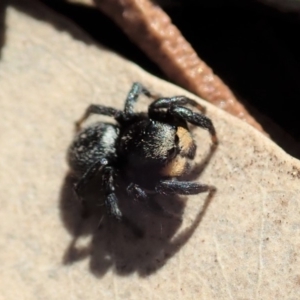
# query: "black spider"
x,y
149,151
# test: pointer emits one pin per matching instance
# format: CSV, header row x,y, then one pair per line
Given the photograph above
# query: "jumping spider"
x,y
148,150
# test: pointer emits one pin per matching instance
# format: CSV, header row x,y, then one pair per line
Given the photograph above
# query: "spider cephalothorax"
x,y
148,150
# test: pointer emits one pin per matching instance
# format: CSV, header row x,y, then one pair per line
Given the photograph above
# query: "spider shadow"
x,y
116,245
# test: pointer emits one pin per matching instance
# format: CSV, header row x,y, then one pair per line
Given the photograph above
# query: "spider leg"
x,y
135,91
112,204
175,101
141,195
86,177
171,187
173,106
196,119
136,192
111,200
131,99
99,110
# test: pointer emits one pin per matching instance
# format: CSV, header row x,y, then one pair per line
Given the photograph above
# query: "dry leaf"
x,y
243,244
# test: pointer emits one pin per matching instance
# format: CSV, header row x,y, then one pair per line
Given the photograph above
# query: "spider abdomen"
x,y
91,144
